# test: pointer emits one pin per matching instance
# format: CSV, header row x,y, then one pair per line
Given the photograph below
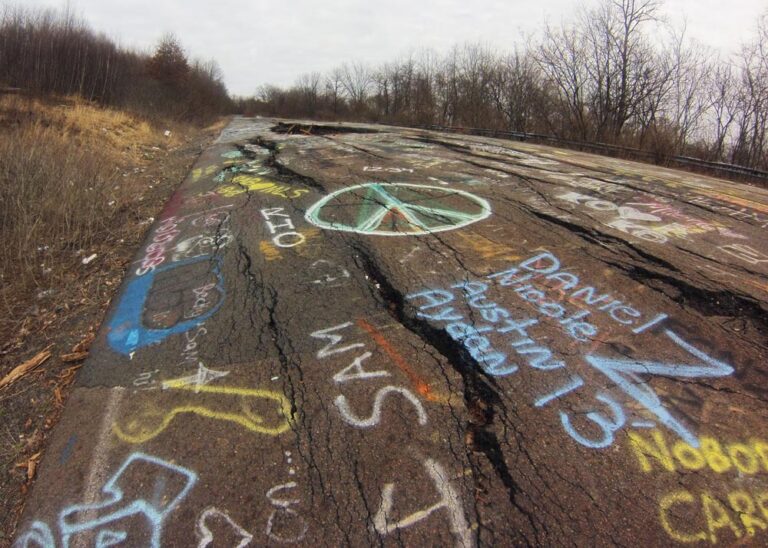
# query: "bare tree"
x,y
563,59
690,88
515,90
724,101
308,86
475,74
424,92
356,80
334,89
382,81
752,111
651,121
621,62
447,84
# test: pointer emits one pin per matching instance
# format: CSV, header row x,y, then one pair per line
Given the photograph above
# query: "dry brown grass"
x,y
62,178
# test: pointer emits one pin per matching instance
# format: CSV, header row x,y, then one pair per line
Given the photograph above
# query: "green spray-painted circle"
x,y
397,209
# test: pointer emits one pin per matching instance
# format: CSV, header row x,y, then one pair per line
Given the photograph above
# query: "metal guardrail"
x,y
605,148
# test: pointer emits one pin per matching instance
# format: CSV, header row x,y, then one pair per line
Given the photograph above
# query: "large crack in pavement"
x,y
283,172
706,302
481,396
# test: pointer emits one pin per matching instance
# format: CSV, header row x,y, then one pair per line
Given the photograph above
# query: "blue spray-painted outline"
x,y
155,515
126,332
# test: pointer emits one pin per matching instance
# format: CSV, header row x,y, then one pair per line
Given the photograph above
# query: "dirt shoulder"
x,y
52,308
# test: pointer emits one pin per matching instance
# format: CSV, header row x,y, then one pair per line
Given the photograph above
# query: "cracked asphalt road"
x,y
363,335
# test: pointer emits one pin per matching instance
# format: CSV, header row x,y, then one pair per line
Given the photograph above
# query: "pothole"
x,y
317,129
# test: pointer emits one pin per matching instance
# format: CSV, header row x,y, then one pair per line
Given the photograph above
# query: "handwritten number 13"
x,y
607,425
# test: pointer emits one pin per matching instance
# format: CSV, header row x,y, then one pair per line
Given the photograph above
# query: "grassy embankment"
x,y
76,180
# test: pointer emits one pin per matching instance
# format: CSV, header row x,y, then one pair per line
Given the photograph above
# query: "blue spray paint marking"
x,y
113,508
110,538
101,517
38,536
625,374
67,451
607,425
126,331
574,382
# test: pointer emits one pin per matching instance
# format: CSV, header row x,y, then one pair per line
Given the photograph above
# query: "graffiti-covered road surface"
x,y
361,335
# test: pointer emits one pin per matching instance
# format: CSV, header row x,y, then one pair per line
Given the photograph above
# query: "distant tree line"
x,y
616,73
54,52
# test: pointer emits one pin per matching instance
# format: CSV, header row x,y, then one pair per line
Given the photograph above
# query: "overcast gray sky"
x,y
273,41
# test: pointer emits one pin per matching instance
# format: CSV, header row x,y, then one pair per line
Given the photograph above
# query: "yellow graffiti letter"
x,y
742,504
717,517
744,459
657,449
762,502
664,506
713,452
687,455
761,448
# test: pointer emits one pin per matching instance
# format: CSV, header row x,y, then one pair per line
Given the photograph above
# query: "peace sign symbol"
x,y
397,209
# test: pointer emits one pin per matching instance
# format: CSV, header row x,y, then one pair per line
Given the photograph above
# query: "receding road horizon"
x,y
349,334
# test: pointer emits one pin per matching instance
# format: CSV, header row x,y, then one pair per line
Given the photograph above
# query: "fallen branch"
x,y
74,357
25,367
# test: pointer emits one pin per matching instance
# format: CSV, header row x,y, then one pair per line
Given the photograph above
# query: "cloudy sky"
x,y
273,41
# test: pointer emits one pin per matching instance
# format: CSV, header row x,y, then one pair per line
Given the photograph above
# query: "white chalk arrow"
x,y
201,378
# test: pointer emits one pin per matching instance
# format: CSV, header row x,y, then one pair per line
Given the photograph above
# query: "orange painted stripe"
x,y
737,200
422,387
